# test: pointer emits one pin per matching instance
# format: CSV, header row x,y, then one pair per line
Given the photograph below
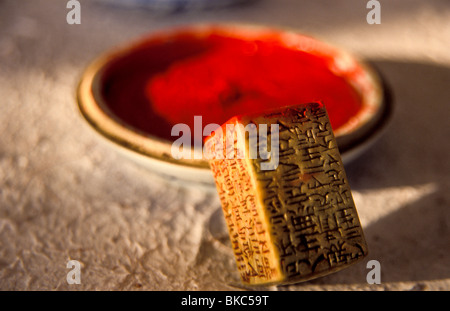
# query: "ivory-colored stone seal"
x,y
285,195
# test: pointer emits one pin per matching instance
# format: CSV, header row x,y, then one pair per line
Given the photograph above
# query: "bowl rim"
x,y
96,112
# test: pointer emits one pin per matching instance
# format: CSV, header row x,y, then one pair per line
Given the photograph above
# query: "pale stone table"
x,y
64,195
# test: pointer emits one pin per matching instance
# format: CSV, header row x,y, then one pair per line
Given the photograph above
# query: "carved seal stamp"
x,y
297,221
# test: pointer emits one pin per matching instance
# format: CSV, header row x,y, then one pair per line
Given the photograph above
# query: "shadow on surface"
x,y
413,151
412,243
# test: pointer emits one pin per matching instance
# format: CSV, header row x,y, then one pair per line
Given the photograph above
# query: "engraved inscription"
x,y
298,221
248,230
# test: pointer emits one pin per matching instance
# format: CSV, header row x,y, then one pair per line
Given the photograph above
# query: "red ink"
x,y
166,82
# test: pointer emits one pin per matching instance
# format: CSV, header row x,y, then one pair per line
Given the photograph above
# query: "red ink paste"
x,y
170,81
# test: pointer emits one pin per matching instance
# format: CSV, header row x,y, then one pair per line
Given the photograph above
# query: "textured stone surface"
x,y
65,195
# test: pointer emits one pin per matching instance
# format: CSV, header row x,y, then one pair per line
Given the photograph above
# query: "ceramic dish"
x,y
146,145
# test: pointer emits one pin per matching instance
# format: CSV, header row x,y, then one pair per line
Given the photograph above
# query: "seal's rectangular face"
x,y
294,219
